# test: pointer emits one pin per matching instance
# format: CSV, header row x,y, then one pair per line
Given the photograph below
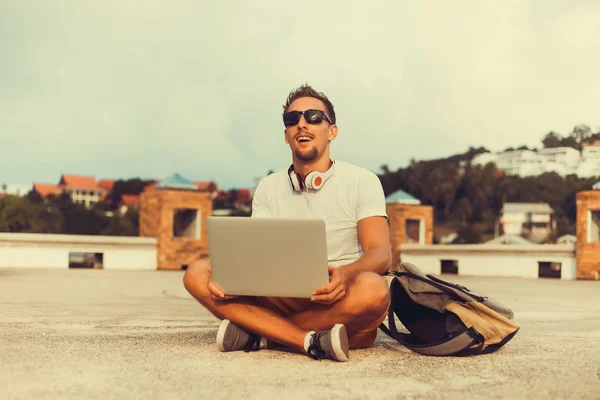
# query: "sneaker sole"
x,y
339,341
221,334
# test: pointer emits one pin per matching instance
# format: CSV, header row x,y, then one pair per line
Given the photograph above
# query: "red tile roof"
x,y
206,186
78,181
106,184
46,189
244,196
223,195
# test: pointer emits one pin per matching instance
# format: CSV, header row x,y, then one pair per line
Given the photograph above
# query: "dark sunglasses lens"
x,y
291,118
313,116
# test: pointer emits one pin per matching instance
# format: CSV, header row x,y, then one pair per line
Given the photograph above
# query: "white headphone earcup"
x,y
314,180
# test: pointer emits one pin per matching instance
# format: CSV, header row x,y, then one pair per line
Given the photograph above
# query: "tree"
x,y
120,226
15,215
581,133
551,140
130,186
4,187
34,197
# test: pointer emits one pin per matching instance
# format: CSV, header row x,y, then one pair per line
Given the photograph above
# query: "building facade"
x,y
533,221
561,160
588,234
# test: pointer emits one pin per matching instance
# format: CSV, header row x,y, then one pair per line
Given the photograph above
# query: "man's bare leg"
x,y
244,312
366,300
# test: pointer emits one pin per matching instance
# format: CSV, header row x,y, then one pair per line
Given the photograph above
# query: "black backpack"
x,y
444,318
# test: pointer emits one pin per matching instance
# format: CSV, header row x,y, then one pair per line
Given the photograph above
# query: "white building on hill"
x,y
561,160
590,162
514,162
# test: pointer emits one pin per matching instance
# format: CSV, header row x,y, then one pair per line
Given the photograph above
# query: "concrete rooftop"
x,y
115,335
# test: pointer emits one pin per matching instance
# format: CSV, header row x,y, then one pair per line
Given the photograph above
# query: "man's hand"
x,y
216,292
335,290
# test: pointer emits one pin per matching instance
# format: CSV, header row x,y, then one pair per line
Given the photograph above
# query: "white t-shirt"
x,y
350,194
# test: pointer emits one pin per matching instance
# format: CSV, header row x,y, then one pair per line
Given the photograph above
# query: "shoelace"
x,y
253,343
314,350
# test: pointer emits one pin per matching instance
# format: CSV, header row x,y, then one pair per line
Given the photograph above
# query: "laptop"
x,y
278,257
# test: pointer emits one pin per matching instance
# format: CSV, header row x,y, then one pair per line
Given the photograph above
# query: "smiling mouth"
x,y
303,139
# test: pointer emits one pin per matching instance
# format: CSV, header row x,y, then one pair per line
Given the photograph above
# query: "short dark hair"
x,y
307,91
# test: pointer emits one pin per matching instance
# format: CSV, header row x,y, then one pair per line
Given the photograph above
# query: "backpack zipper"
x,y
440,284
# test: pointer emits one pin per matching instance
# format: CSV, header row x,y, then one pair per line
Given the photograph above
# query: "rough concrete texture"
x,y
113,335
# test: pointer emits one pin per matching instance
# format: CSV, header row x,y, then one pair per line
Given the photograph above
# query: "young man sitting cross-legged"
x,y
346,313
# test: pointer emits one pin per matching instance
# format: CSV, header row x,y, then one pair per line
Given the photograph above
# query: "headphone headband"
x,y
314,180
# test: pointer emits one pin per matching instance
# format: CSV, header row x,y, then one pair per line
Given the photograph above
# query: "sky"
x,y
124,89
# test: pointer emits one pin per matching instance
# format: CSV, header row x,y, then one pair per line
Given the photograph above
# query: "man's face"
x,y
309,141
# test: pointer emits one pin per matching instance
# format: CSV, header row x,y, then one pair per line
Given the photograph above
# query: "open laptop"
x,y
267,256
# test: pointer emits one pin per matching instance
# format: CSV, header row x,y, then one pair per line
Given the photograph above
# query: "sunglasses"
x,y
311,116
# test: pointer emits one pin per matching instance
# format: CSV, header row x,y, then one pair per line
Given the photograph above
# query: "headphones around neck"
x,y
314,180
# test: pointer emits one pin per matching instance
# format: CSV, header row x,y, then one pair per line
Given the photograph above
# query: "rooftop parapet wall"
x,y
33,250
525,261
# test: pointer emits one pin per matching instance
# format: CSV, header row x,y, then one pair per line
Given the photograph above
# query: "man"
x,y
346,313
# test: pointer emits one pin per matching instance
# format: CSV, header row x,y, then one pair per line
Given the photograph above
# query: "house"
x,y
129,201
106,184
590,161
523,163
46,189
82,189
562,160
233,200
514,162
533,221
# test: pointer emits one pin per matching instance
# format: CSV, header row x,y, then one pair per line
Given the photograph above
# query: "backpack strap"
x,y
460,345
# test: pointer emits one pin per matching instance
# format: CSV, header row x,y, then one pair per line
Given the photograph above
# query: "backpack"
x,y
444,318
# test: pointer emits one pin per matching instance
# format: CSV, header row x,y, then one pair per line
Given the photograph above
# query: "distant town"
x,y
478,196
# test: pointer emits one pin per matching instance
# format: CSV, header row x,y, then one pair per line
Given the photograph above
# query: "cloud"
x,y
124,89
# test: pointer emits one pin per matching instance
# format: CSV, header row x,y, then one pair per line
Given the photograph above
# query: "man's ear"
x,y
285,138
333,131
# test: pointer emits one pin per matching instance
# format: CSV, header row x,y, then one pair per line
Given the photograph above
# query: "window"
x,y
548,269
86,260
414,231
186,223
449,266
593,227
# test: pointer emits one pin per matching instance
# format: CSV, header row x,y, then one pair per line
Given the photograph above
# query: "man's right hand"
x,y
215,292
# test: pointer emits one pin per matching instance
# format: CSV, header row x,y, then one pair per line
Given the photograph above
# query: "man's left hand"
x,y
335,290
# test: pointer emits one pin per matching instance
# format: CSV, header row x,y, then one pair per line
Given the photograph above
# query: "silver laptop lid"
x,y
267,256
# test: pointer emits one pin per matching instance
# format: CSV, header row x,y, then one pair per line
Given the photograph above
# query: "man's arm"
x,y
374,237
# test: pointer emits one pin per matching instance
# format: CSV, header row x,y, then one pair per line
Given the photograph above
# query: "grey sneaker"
x,y
233,338
332,344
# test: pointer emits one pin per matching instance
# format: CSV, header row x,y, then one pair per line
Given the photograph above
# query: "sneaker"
x,y
332,344
233,338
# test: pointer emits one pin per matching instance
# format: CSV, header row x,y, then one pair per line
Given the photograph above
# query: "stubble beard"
x,y
307,155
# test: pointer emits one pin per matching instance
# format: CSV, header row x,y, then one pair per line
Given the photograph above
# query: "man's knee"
x,y
374,294
195,279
